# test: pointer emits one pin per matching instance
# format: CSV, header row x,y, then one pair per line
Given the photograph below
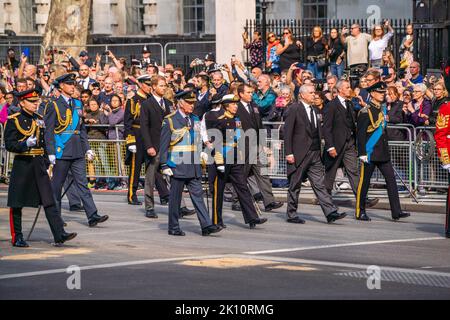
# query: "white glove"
x,y
52,159
90,155
168,172
132,148
364,159
221,169
446,167
31,141
204,157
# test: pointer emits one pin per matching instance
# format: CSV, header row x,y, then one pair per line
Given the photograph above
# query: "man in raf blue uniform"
x,y
373,151
30,183
180,153
67,146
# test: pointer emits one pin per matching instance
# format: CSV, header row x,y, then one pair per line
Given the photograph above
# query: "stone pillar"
x,y
102,17
2,16
230,22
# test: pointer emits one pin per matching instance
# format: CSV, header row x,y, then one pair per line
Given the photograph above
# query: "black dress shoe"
x,y
186,212
65,237
252,224
76,208
332,217
95,219
363,217
258,197
164,201
222,225
176,233
371,202
151,214
210,229
135,203
20,243
296,220
236,207
274,205
401,215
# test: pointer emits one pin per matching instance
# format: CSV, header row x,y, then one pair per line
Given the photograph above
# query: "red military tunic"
x,y
442,137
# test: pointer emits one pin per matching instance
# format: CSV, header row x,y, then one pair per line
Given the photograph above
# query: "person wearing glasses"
x,y
273,59
379,42
289,52
419,109
440,98
357,46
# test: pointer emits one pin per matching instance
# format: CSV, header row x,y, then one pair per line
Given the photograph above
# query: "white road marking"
x,y
339,245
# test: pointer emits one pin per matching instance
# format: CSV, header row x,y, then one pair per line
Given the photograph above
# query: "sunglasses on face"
x,y
286,33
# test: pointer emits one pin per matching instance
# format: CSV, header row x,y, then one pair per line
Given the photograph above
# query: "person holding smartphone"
x,y
289,52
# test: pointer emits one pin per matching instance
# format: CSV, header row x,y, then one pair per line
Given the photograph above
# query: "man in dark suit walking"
x,y
251,122
339,132
302,136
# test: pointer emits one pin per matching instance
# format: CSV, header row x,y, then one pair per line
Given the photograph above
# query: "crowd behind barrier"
x,y
419,169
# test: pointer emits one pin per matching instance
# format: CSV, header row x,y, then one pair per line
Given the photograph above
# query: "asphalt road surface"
x,y
132,257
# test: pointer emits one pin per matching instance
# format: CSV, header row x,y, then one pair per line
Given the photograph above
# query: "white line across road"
x,y
340,245
244,254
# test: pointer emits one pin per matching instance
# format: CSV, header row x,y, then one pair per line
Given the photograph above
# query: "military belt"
x,y
32,152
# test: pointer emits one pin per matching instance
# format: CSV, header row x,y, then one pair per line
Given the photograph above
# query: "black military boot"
x,y
20,243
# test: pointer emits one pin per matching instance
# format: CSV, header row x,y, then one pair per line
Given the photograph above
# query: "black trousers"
x,y
236,174
364,182
51,213
447,212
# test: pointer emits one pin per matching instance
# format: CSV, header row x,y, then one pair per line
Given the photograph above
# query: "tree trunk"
x,y
67,26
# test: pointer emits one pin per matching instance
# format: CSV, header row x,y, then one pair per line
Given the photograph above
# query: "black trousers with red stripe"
x,y
51,213
447,212
236,175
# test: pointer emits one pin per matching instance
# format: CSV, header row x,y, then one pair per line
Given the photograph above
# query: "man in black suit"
x,y
302,136
339,131
251,123
203,98
153,111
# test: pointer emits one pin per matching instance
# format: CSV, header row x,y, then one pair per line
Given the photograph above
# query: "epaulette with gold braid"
x,y
170,115
13,115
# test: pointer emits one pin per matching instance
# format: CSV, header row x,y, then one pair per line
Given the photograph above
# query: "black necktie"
x,y
161,103
188,122
311,117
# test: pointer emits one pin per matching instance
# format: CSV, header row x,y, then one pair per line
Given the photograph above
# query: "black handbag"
x,y
322,61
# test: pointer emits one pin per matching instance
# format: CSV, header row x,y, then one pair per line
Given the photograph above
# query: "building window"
x,y
315,11
258,11
194,16
28,11
135,17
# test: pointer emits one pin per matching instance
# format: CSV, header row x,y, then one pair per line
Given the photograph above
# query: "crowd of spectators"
x,y
105,82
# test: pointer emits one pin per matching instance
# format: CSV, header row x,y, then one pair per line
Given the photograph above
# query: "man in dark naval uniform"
x,y
180,154
67,146
373,151
230,164
30,184
136,153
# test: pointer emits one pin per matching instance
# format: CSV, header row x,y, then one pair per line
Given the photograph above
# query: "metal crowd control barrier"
x,y
35,51
176,53
430,173
126,50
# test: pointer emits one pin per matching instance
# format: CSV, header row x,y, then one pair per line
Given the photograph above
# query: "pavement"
x,y
133,257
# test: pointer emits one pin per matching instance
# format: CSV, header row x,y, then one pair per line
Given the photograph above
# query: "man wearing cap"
x,y
84,58
30,184
373,151
67,146
180,154
153,111
229,159
146,58
132,130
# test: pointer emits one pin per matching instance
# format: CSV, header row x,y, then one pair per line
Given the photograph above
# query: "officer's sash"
x,y
378,127
62,138
228,146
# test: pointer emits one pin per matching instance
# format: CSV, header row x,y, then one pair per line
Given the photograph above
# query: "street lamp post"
x,y
264,31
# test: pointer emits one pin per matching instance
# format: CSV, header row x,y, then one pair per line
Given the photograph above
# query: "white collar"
x,y
342,100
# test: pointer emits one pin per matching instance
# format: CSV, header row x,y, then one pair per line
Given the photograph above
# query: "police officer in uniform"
x,y
135,154
373,151
229,160
30,184
67,146
180,153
